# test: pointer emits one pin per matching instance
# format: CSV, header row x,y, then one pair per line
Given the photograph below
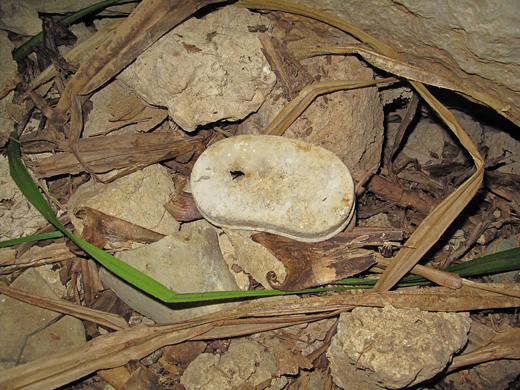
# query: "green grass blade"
x,y
495,263
34,237
25,183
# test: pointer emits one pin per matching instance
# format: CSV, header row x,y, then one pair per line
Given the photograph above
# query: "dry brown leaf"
x,y
313,264
436,223
410,72
295,107
117,348
35,256
384,55
109,320
100,228
134,150
74,54
504,345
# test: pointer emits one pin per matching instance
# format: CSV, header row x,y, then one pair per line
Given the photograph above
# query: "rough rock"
x,y
18,218
205,70
9,67
186,262
245,362
500,142
253,258
248,182
430,142
30,332
17,16
137,198
476,42
111,103
393,348
348,123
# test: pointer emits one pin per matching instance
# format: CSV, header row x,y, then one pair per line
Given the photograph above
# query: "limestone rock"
x,y
137,198
114,99
273,184
245,362
393,348
476,42
30,332
17,16
430,142
205,70
184,262
348,123
9,67
18,217
500,142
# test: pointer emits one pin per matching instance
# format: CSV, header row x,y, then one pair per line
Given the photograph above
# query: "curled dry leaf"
x,y
100,228
182,207
313,264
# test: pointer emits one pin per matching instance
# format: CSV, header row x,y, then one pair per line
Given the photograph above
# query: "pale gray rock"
x,y
18,217
500,143
431,142
137,198
19,17
245,363
273,184
9,67
205,70
348,123
394,348
101,121
30,332
476,42
186,262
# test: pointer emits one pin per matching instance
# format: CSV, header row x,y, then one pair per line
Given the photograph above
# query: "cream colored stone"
x,y
19,17
473,41
274,184
394,348
18,217
186,262
205,70
137,198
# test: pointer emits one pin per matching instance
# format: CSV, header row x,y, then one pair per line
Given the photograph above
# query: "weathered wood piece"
x,y
102,154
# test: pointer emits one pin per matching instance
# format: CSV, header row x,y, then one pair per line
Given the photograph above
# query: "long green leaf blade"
x,y
34,237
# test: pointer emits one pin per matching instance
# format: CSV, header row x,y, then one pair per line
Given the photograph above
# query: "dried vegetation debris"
x,y
401,180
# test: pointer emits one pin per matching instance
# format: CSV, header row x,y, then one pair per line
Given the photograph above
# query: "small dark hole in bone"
x,y
236,175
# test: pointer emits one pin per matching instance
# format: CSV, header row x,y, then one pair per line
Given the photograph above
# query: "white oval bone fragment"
x,y
273,184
